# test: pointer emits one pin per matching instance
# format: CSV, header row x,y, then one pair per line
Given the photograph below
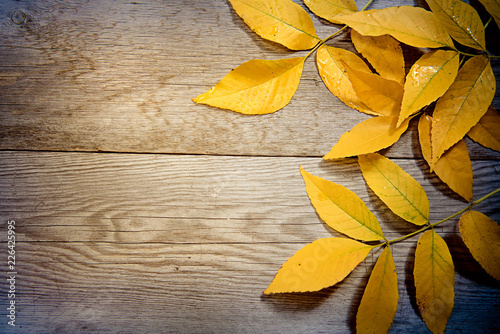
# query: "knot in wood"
x,y
18,17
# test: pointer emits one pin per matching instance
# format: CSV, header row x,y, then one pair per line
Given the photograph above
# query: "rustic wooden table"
x,y
139,211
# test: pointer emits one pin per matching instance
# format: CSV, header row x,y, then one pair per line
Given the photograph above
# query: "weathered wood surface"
x,y
149,243
110,241
134,67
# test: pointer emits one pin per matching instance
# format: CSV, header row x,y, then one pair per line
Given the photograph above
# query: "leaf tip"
x,y
400,121
199,98
331,155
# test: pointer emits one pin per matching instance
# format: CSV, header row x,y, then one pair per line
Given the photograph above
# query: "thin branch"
x,y
423,229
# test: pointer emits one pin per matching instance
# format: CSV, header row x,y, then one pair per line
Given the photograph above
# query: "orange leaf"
x,y
330,9
318,265
368,136
396,188
341,209
454,167
463,105
482,236
379,94
330,62
281,21
487,131
429,78
410,25
380,299
383,52
256,87
434,275
461,21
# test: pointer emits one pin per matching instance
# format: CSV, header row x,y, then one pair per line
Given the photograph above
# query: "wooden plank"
x,y
180,243
119,76
184,243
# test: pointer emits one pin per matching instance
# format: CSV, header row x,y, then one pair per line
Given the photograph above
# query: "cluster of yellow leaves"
x,y
449,90
327,261
462,93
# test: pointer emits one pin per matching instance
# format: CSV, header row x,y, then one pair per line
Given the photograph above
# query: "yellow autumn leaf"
x,y
281,21
380,299
319,265
330,62
396,188
341,209
481,235
454,167
428,79
410,25
461,21
256,87
329,9
368,136
463,105
487,131
434,275
493,7
383,52
379,94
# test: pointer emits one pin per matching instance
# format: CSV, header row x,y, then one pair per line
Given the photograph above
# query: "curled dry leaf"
x,y
461,21
341,209
434,275
369,136
384,53
396,188
454,167
482,236
331,66
330,9
410,25
380,299
463,105
281,21
380,95
428,79
487,131
256,87
319,265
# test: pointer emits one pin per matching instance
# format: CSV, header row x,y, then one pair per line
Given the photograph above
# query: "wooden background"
x,y
140,211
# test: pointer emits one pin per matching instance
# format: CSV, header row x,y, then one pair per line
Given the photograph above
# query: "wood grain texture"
x,y
119,76
179,243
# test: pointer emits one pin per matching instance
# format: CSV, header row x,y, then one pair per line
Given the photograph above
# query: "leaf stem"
x,y
323,41
367,5
468,207
465,53
320,43
488,22
334,34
